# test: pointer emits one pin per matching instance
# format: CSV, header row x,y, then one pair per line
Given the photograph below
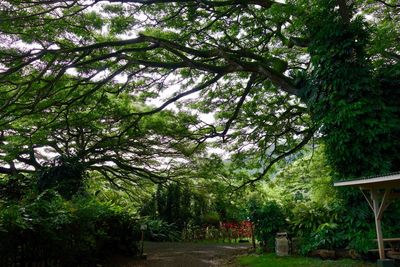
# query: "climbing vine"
x,y
347,100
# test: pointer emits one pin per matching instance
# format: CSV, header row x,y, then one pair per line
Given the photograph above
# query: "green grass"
x,y
271,260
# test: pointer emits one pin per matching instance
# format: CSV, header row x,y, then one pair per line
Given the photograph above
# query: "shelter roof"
x,y
383,181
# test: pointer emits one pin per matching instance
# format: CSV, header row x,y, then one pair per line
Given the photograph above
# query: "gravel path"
x,y
186,255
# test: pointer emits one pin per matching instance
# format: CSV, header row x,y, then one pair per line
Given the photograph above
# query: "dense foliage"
x,y
355,107
195,211
268,219
315,214
79,232
273,74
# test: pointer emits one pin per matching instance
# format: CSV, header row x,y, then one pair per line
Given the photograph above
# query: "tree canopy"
x,y
76,76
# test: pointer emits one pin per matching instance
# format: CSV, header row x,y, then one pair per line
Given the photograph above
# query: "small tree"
x,y
268,219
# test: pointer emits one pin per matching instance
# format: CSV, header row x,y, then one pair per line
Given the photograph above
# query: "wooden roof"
x,y
390,180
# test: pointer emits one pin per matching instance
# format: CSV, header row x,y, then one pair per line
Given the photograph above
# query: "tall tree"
x,y
274,73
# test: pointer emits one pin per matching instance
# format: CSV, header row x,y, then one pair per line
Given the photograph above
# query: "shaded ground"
x,y
185,255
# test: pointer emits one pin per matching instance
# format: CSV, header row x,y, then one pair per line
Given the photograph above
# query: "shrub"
x,y
268,219
76,232
65,175
159,230
14,187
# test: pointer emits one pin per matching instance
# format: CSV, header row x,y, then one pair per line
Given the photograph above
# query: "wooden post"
x,y
379,237
143,228
142,243
253,238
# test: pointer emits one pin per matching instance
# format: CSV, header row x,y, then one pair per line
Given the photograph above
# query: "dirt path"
x,y
187,255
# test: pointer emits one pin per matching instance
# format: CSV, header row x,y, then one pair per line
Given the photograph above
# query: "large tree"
x,y
97,136
275,74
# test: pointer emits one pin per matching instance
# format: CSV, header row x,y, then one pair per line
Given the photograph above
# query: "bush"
x,y
76,232
14,187
326,236
64,175
159,230
316,226
268,219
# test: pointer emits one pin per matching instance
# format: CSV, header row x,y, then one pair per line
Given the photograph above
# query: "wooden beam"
x,y
368,199
375,201
384,203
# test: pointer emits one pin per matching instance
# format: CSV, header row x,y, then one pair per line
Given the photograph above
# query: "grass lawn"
x,y
271,260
